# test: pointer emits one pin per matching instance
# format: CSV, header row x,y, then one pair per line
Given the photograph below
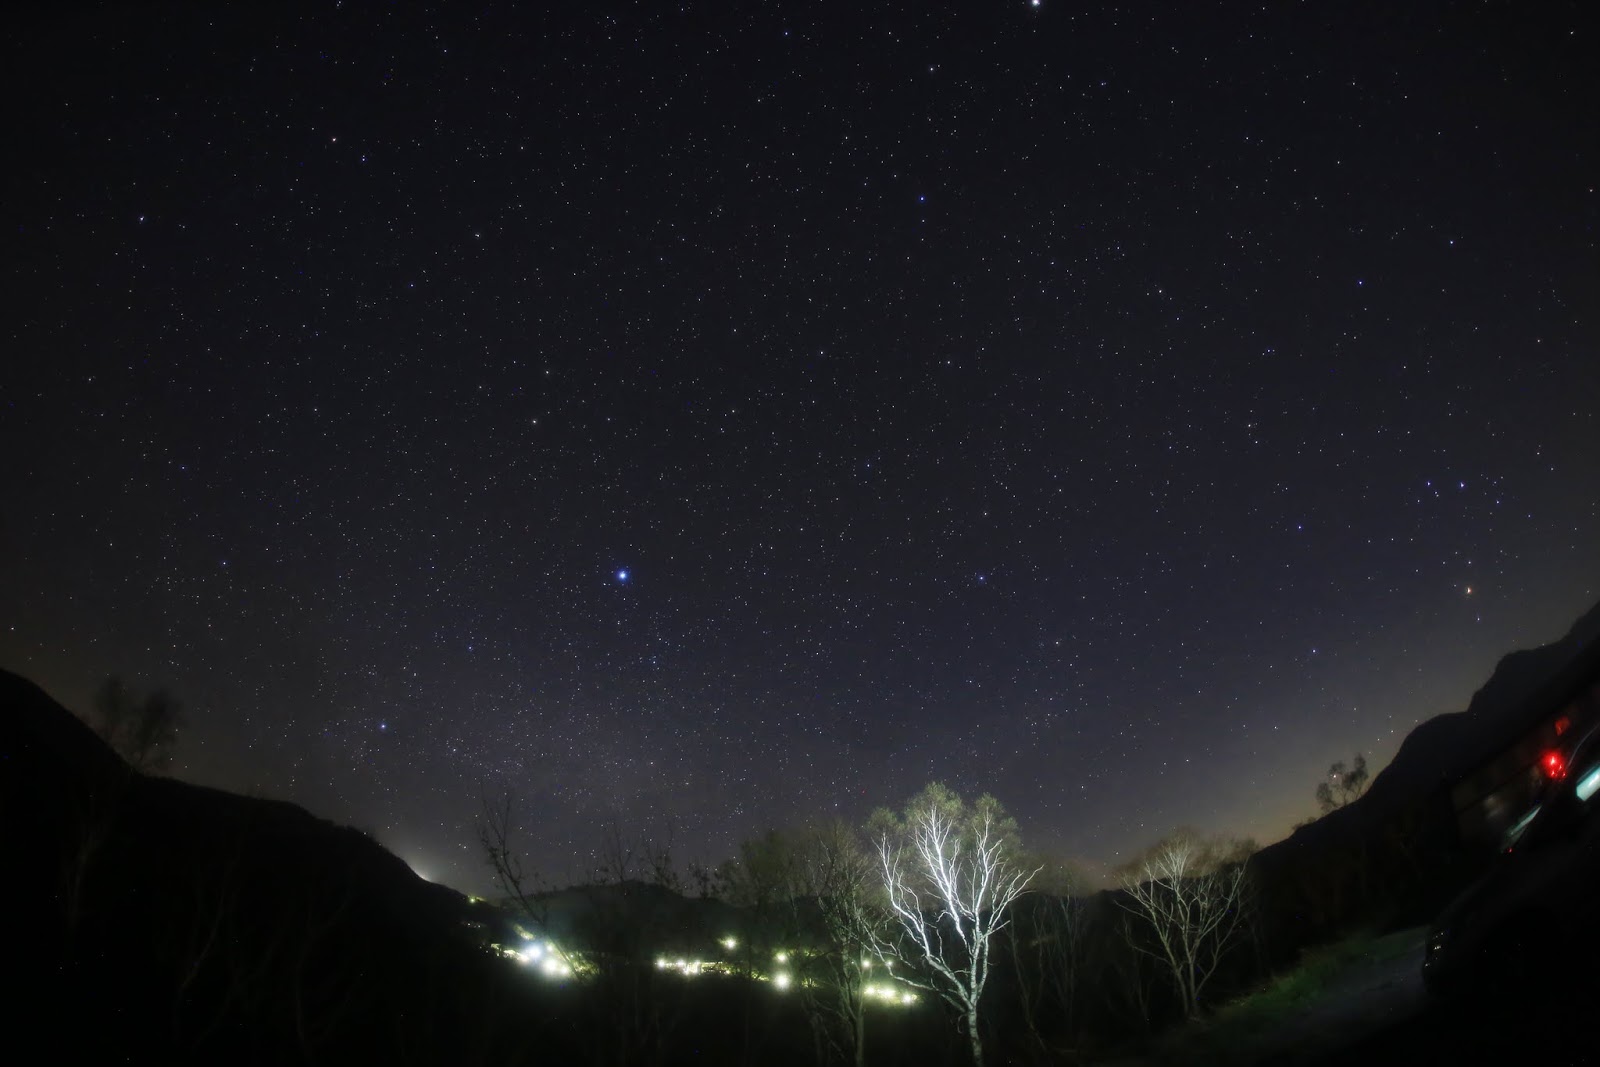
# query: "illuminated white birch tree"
x,y
1193,897
950,872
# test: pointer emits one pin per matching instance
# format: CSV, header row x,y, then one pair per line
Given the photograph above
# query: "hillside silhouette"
x,y
159,921
163,921
1394,854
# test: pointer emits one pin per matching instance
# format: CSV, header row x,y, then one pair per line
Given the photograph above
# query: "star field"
x,y
717,417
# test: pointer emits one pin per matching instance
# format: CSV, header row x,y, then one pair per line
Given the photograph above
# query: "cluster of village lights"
x,y
886,992
552,962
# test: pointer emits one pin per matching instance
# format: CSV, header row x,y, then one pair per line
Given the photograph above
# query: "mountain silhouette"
x,y
1405,823
188,923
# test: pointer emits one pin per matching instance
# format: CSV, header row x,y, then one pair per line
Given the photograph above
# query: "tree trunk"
x,y
975,1037
860,1021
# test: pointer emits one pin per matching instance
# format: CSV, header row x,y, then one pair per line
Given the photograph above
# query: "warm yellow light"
x,y
781,981
783,957
730,943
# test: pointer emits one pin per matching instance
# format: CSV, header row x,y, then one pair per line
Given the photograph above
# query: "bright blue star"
x,y
622,576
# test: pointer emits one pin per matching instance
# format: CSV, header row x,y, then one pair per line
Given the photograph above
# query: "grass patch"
x,y
1235,1030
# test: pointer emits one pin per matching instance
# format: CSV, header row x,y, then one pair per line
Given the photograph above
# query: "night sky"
x,y
717,417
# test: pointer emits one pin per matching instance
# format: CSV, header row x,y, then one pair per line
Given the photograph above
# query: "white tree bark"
x,y
1193,898
949,879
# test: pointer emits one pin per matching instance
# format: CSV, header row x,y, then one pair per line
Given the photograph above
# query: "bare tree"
x,y
623,925
763,882
496,826
766,882
202,940
1192,895
1343,785
840,876
280,966
950,873
1126,973
90,821
1046,951
142,731
619,920
809,901
325,985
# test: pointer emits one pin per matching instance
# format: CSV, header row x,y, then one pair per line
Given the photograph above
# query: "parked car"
x,y
1534,919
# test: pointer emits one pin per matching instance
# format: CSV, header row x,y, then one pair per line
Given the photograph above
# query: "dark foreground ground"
x,y
1376,1012
1372,997
1389,1019
1383,1016
1547,1027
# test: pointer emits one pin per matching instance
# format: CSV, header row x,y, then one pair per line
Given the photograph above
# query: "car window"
x,y
1564,810
1588,783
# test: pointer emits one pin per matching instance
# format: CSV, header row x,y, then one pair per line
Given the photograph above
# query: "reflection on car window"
x,y
1589,784
1513,835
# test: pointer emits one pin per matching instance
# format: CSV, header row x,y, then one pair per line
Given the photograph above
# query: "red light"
x,y
1554,765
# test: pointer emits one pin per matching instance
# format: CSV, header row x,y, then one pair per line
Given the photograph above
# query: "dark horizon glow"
x,y
714,419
